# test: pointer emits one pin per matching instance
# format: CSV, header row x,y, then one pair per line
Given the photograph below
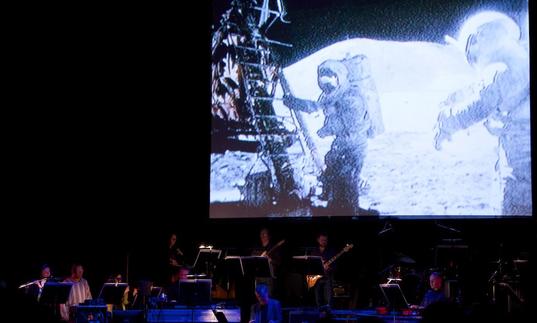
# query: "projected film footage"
x,y
410,109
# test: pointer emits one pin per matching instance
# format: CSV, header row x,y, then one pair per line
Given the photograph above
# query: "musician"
x,y
174,259
118,279
35,290
24,307
273,251
175,254
172,290
436,292
79,292
323,286
266,310
268,248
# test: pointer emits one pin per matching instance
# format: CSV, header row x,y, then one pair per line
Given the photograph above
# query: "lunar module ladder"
x,y
258,76
271,75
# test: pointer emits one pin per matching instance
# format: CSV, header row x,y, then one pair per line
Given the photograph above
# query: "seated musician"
x,y
172,290
266,310
117,279
436,292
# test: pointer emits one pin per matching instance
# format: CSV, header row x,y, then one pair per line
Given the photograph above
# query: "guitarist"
x,y
323,286
272,250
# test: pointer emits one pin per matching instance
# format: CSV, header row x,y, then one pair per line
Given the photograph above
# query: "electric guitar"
x,y
267,253
311,280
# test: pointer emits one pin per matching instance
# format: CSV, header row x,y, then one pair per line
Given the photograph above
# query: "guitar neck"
x,y
275,247
336,256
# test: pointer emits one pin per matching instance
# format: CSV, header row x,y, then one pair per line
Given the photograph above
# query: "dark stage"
x,y
474,249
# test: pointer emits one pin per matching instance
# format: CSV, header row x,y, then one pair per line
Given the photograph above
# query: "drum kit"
x,y
506,282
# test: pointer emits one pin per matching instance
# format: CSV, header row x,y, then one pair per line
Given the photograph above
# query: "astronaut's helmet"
x,y
328,83
485,33
330,75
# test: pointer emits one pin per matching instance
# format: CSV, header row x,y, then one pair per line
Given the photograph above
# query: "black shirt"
x,y
275,255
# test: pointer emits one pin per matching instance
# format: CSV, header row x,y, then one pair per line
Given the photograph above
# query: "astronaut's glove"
x,y
324,132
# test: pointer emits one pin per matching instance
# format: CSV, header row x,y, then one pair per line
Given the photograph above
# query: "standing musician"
x,y
35,289
174,259
79,292
271,250
323,286
175,255
246,285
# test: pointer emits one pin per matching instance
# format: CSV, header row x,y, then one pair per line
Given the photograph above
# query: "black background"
x,y
316,24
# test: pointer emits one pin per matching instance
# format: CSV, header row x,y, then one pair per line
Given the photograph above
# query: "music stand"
x,y
234,266
55,293
308,265
195,292
205,258
252,266
112,293
257,266
155,291
394,296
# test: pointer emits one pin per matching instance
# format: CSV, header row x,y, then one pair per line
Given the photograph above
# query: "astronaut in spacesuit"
x,y
351,117
503,105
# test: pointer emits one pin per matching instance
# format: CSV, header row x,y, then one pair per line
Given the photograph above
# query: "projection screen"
x,y
409,109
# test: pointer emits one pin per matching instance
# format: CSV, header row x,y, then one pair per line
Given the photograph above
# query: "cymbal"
x,y
520,261
406,260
